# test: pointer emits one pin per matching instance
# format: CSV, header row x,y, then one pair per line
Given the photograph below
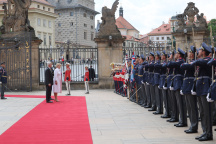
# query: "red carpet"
x,y
64,122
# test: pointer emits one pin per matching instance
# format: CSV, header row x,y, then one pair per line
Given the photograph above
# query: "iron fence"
x,y
77,57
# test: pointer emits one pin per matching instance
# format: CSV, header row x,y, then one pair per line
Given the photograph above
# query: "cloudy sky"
x,y
146,15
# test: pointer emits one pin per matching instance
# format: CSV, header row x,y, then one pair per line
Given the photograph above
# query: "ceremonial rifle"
x,y
195,72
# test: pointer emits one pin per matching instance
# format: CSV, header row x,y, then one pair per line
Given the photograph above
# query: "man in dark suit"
x,y
91,74
3,79
49,81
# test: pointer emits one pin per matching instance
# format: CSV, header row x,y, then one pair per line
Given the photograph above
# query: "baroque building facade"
x,y
42,19
76,22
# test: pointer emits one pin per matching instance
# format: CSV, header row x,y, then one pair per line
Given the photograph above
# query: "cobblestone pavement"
x,y
113,119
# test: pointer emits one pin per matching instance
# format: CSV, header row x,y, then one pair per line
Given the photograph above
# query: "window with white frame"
x,y
39,22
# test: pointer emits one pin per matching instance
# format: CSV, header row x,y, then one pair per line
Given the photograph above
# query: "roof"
x,y
131,38
164,29
124,24
39,1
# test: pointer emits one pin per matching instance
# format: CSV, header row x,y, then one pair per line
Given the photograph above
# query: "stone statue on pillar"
x,y
191,11
202,21
108,26
16,18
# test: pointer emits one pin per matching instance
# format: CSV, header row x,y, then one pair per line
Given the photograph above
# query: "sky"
x,y
146,15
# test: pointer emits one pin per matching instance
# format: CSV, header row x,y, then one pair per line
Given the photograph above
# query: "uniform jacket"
x,y
136,72
162,73
3,75
188,78
212,89
146,73
204,75
178,73
157,72
68,75
49,73
140,73
170,75
151,72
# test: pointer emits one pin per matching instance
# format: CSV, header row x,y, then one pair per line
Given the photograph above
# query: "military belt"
x,y
140,75
189,78
203,77
156,73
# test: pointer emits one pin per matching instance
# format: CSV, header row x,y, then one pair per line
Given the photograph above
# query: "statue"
x,y
16,18
202,20
108,27
191,11
181,21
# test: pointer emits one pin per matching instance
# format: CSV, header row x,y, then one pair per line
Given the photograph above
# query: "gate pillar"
x,y
108,51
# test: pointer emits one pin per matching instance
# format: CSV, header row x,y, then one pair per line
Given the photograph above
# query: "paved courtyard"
x,y
113,119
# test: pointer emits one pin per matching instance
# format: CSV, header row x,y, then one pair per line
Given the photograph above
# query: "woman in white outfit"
x,y
57,87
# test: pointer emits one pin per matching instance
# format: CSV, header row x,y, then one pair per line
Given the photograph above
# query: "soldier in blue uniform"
x,y
142,93
3,79
146,83
151,81
177,84
163,74
134,83
211,97
191,100
202,87
158,92
171,96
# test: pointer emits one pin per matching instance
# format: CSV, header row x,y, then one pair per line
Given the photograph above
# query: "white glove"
x,y
171,88
142,82
159,87
193,93
165,88
147,83
181,92
209,99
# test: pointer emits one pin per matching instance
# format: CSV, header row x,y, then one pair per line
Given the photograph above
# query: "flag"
x,y
132,67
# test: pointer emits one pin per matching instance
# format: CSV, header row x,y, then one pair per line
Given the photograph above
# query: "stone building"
x,y
42,19
76,21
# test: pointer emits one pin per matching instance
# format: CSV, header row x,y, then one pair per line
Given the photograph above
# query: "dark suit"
x,y
48,80
91,74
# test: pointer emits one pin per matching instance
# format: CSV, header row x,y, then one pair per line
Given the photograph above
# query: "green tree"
x,y
212,23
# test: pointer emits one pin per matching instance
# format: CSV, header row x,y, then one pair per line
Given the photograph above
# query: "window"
x,y
71,13
44,40
124,44
39,36
59,24
50,24
44,23
2,7
38,6
92,36
39,22
43,8
84,15
91,17
168,38
71,23
92,27
85,25
50,40
157,38
162,38
85,35
48,9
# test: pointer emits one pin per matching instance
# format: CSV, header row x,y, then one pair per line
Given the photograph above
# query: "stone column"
x,y
35,63
108,51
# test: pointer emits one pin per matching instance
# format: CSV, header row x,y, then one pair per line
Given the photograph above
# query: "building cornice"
x,y
36,10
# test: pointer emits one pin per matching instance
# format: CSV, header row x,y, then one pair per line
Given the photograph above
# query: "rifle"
x,y
193,91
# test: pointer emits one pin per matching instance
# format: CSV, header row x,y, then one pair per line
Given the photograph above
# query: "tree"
x,y
212,23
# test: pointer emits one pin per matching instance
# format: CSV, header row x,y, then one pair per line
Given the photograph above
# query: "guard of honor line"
x,y
176,85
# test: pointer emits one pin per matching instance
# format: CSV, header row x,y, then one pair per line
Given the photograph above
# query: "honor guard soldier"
x,y
142,94
173,101
163,74
3,79
191,100
146,83
177,81
211,97
151,81
158,96
202,87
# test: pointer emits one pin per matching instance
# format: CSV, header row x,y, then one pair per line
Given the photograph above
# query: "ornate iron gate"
x,y
16,53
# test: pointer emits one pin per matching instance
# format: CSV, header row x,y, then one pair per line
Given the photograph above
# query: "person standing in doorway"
x,y
67,78
86,79
49,81
91,74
